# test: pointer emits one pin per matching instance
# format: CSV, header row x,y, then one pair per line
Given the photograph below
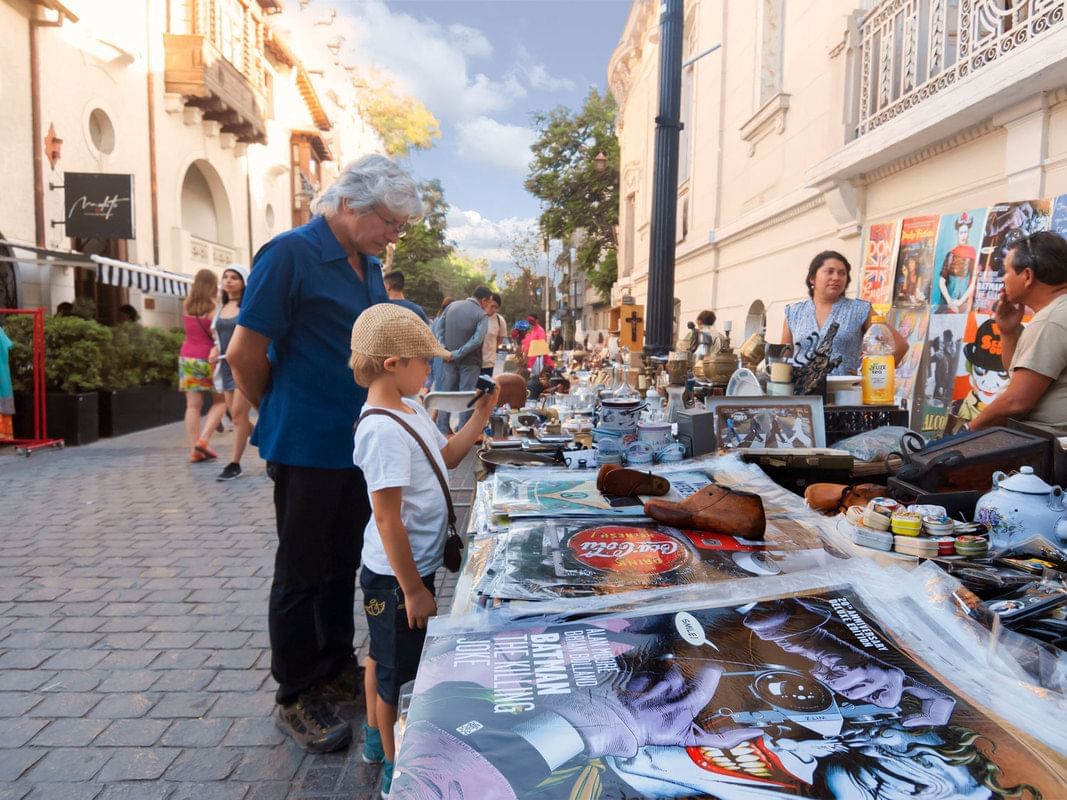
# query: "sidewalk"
x,y
134,659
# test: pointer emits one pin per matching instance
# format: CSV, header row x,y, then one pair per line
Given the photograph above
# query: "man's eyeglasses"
x,y
399,228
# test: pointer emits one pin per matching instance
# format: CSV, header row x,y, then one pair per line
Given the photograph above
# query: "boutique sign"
x,y
98,205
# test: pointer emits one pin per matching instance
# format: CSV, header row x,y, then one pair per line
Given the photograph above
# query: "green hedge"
x,y
82,355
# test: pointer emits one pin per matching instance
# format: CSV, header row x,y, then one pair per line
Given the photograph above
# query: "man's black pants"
x,y
321,516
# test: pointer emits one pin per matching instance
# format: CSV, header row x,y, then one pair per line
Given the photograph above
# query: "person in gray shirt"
x,y
462,333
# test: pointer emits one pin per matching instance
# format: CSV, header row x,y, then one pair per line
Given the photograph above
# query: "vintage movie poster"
x,y
552,559
799,697
566,493
937,379
956,261
876,274
915,261
1005,224
1059,215
980,373
911,323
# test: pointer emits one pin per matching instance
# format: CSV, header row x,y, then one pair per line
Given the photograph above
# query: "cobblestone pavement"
x,y
134,659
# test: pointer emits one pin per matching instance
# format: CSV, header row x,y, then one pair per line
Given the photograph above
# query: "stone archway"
x,y
205,205
756,321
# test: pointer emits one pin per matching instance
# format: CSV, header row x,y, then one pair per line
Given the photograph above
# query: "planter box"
x,y
73,417
125,411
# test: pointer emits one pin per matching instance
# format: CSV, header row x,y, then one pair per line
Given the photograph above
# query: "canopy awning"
x,y
150,280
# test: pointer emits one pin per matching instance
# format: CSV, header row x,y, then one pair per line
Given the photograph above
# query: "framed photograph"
x,y
768,422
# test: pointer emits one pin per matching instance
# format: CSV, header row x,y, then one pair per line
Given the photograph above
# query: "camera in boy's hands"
x,y
485,385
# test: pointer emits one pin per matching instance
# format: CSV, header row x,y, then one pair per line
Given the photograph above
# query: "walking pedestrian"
x,y
462,333
496,335
194,368
234,278
289,356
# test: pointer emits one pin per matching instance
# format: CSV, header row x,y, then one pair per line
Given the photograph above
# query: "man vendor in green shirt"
x,y
1035,275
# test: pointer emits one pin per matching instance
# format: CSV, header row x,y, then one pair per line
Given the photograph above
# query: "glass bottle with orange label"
x,y
878,366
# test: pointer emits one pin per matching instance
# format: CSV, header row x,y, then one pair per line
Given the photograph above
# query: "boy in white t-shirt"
x,y
404,542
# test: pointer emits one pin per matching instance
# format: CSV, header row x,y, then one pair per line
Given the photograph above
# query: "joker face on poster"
x,y
801,697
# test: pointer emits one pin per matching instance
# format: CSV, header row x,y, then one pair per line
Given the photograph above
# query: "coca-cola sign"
x,y
98,205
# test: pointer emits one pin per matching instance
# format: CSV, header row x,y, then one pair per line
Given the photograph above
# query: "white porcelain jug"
x,y
1021,506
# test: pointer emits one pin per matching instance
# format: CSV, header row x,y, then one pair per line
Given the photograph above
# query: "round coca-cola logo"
x,y
621,548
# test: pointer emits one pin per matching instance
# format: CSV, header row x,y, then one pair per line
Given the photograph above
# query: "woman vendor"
x,y
829,275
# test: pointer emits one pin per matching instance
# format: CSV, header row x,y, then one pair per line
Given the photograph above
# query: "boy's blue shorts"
x,y
394,646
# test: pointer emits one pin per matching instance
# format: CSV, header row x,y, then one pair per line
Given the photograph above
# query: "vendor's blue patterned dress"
x,y
851,315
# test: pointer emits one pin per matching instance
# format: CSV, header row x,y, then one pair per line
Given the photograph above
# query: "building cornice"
x,y
927,153
627,54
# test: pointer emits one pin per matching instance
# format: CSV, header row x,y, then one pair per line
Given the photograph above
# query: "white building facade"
x,y
817,117
226,132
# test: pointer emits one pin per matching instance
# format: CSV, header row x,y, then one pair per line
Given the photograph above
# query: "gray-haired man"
x,y
289,356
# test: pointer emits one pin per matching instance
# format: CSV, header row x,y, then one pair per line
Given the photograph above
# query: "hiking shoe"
x,y
202,448
312,724
229,472
387,778
373,752
345,686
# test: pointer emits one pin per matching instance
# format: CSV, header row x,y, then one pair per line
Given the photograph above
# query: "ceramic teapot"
x,y
1021,506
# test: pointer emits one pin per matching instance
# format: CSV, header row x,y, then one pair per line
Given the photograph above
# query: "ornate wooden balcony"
x,y
195,69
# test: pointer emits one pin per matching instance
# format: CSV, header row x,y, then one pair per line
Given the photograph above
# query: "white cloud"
x,y
537,74
497,144
477,236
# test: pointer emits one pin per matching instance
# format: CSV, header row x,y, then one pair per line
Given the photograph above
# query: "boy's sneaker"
x,y
313,724
345,686
229,472
387,778
373,752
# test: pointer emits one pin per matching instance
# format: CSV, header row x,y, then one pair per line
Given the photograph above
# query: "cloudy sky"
x,y
483,67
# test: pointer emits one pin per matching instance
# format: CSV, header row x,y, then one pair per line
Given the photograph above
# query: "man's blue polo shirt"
x,y
304,296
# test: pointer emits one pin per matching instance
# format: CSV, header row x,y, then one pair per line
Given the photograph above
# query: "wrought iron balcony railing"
x,y
913,49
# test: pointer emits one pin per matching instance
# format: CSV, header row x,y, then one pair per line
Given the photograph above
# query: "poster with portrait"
x,y
980,373
806,696
915,261
1005,224
1059,215
910,322
956,261
937,374
876,275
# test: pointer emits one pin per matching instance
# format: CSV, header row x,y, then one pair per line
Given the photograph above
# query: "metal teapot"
x,y
1020,506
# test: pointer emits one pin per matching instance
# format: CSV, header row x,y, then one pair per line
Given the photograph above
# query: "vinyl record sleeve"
x,y
801,696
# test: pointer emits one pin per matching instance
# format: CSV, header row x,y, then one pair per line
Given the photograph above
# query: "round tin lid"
x,y
1024,481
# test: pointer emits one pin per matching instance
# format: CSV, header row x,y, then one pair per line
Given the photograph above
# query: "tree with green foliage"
x,y
578,193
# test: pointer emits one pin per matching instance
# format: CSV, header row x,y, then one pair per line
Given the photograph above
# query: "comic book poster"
x,y
956,261
915,261
876,275
910,322
944,348
980,373
805,696
1005,224
573,493
1059,215
552,559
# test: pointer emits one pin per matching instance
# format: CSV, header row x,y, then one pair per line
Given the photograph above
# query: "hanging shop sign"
x,y
98,205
